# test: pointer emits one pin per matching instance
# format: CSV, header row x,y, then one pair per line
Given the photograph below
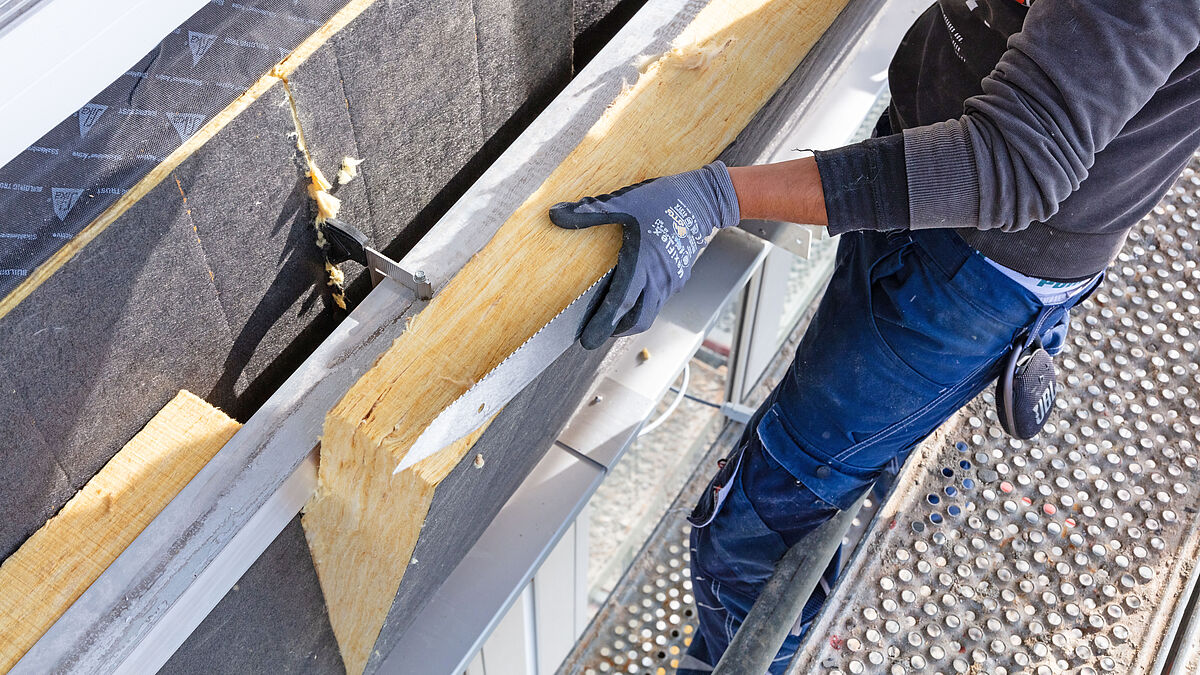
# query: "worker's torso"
x,y
955,44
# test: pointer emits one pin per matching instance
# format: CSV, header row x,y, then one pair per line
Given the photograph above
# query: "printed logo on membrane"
x,y
88,115
185,124
199,43
63,200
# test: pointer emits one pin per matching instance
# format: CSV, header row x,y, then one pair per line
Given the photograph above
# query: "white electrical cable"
x,y
687,376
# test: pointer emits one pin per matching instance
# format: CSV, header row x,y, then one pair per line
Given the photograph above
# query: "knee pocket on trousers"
x,y
717,490
801,502
833,483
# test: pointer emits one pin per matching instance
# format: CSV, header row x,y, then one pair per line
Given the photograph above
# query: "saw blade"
x,y
491,393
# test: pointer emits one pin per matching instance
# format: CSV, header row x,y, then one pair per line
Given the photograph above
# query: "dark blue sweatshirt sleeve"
x,y
1066,86
865,184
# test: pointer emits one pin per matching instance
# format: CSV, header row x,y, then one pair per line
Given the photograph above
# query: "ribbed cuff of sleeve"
x,y
730,211
943,183
865,185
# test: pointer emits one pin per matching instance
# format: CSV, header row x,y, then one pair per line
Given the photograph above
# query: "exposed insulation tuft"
x,y
694,57
318,190
319,182
687,57
327,205
336,277
349,170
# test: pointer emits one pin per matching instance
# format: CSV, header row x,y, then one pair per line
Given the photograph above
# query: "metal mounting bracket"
x,y
796,239
346,242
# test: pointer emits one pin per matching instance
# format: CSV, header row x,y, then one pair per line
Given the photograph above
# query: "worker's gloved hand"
x,y
666,222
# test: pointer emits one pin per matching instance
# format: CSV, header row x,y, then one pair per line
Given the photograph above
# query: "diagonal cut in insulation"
x,y
318,189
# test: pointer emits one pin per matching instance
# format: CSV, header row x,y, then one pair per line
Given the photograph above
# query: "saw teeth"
x,y
485,410
538,332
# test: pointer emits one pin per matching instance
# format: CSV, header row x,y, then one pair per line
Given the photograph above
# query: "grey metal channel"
x,y
1068,553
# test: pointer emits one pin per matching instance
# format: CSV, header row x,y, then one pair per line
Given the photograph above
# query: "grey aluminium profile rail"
x,y
778,607
11,10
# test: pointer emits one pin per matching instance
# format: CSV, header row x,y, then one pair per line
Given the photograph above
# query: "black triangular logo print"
x,y
199,43
88,115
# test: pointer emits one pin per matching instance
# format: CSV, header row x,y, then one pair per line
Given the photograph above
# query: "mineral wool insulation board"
x,y
211,281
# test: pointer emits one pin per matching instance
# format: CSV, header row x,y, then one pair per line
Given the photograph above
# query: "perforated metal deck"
x,y
1072,553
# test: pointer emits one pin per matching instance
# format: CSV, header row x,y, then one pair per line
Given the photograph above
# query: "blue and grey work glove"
x,y
665,221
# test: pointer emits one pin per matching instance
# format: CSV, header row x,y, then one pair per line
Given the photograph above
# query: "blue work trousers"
x,y
912,327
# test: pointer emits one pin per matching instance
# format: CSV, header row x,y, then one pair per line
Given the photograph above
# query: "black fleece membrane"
x,y
60,184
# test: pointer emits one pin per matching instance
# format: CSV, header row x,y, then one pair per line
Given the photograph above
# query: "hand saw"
x,y
491,393
487,396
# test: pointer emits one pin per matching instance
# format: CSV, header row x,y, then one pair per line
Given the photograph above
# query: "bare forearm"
x,y
788,191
